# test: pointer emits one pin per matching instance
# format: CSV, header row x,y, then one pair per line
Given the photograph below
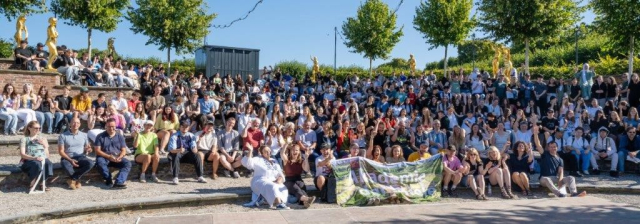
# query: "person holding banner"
x,y
474,171
395,156
421,154
34,150
452,171
268,179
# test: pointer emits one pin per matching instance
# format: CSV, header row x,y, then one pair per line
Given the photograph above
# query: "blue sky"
x,y
281,29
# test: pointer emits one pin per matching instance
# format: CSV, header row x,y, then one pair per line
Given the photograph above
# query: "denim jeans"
x,y
124,166
622,157
585,159
84,166
46,121
59,116
10,122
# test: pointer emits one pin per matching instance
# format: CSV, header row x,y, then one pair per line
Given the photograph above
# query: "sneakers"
x,y
227,173
109,182
236,175
176,181
309,201
595,172
282,206
119,186
154,178
586,172
251,204
582,194
614,173
633,159
575,174
249,174
143,178
201,180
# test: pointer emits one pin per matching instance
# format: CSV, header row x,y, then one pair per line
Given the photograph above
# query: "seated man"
x,y
230,154
81,105
421,154
253,137
323,168
25,56
629,146
110,152
62,106
182,149
41,56
65,65
603,148
72,146
552,168
207,143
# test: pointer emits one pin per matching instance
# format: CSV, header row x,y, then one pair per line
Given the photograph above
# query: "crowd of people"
x,y
282,129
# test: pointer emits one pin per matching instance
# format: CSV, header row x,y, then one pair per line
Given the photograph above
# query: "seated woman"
x,y
396,155
474,170
147,152
97,123
498,172
519,166
34,150
28,102
166,125
268,179
452,171
294,165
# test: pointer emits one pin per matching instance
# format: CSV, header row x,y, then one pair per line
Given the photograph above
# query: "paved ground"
x,y
591,209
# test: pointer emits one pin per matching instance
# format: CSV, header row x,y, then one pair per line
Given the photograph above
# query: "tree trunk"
x,y
89,42
446,48
631,52
370,67
169,61
526,56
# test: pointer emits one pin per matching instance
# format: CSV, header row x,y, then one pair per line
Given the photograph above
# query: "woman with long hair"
x,y
474,172
43,112
633,120
28,101
97,123
294,167
8,114
276,115
458,138
275,141
519,164
498,172
34,150
396,155
475,139
166,125
138,117
633,95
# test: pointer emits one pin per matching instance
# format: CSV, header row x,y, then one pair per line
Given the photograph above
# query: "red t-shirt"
x,y
132,105
254,136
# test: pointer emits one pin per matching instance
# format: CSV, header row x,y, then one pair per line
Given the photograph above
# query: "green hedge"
x,y
6,48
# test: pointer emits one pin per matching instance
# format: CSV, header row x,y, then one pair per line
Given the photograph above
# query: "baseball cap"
x,y
185,122
148,122
84,90
39,45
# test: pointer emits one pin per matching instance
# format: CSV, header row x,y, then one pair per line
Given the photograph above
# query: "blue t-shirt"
x,y
205,106
182,140
110,145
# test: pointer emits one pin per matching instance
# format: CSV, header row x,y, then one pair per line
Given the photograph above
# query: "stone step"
x,y
10,145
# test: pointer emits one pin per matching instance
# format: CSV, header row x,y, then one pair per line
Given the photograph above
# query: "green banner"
x,y
360,181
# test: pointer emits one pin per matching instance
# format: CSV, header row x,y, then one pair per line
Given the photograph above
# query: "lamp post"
x,y
577,33
335,49
475,47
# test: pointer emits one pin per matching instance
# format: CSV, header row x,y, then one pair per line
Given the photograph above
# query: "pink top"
x,y
120,122
453,163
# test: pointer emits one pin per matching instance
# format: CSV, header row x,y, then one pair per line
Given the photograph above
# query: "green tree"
x,y
181,25
619,20
14,8
479,50
396,63
102,15
525,21
444,22
372,32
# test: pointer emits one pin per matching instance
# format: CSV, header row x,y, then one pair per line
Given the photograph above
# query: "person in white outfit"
x,y
268,179
604,147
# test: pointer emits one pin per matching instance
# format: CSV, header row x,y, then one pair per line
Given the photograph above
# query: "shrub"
x,y
6,48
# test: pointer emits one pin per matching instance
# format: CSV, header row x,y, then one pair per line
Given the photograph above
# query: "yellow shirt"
x,y
81,105
166,125
415,156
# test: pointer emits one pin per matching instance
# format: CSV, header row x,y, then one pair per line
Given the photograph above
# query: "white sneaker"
x,y
201,180
176,181
236,174
227,173
585,172
143,178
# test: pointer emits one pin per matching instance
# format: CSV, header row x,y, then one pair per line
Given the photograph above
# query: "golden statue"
x,y
315,69
21,26
412,63
52,41
507,64
111,50
496,59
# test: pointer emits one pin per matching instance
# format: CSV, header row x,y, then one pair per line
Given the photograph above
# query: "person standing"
x,y
585,78
110,152
72,147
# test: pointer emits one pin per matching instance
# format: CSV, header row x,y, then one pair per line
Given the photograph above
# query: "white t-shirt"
x,y
208,141
322,170
523,136
120,104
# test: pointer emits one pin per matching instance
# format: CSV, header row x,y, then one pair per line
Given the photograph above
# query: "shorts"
x,y
84,116
207,153
315,181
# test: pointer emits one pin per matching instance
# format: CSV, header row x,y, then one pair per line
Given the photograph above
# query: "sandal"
x,y
504,193
479,197
513,196
484,197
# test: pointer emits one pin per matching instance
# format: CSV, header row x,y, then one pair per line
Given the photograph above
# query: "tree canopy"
x,y
373,31
14,8
620,21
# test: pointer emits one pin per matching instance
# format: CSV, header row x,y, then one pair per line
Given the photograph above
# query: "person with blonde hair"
x,y
498,172
396,155
474,171
28,101
34,150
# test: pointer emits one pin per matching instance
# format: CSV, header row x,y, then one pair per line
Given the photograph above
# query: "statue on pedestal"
x,y
111,50
52,41
412,63
496,59
315,70
21,26
507,64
